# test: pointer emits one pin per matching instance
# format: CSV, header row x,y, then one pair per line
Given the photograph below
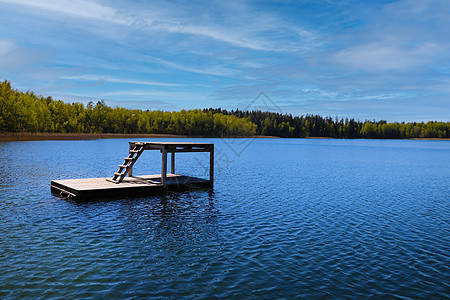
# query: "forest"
x,y
286,125
28,112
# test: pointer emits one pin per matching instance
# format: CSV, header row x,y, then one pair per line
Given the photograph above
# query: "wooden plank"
x,y
174,145
144,184
61,190
188,150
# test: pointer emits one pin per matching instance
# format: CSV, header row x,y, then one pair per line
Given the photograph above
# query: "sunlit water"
x,y
288,218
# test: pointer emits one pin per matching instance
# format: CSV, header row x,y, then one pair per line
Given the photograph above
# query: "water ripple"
x,y
326,219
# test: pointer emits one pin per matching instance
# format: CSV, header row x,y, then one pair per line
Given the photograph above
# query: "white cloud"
x,y
383,56
158,94
147,104
238,26
350,51
79,8
403,36
13,57
217,71
6,47
118,80
179,100
223,35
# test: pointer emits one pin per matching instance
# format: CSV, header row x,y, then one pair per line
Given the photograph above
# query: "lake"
x,y
288,218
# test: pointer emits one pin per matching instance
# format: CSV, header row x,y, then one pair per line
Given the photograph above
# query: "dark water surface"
x,y
288,218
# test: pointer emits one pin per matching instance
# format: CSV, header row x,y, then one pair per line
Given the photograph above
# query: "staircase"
x,y
128,163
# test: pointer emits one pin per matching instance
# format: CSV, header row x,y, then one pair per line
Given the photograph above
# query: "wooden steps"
x,y
129,161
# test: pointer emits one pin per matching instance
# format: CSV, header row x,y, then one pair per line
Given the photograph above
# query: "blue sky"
x,y
370,59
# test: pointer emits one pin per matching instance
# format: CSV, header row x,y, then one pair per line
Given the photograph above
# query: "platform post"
x,y
172,163
211,165
164,167
130,169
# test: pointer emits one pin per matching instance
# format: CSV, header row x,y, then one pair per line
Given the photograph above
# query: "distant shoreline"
x,y
23,136
429,139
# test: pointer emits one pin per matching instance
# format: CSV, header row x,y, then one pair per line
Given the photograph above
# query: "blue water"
x,y
288,218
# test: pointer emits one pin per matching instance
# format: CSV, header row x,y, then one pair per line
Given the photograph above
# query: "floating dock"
x,y
124,183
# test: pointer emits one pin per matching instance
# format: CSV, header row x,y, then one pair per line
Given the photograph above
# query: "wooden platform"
x,y
124,183
130,186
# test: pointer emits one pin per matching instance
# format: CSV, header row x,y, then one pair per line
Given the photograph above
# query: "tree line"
x,y
286,125
28,112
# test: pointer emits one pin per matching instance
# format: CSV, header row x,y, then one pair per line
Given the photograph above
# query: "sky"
x,y
366,59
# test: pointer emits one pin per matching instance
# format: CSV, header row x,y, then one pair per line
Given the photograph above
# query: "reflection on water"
x,y
287,218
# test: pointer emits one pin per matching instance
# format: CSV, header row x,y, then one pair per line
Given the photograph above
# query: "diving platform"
x,y
124,183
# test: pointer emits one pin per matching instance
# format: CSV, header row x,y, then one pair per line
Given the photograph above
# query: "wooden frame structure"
x,y
124,183
172,148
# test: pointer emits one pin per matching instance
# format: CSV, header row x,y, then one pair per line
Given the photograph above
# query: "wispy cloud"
x,y
157,94
385,56
147,104
80,8
217,70
13,56
118,80
403,36
247,31
222,35
6,47
349,55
